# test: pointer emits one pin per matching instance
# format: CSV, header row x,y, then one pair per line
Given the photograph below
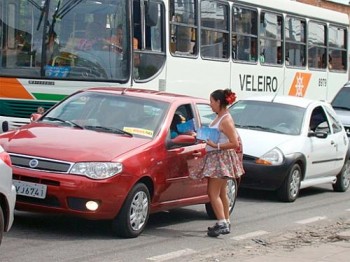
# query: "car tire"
x,y
232,190
133,217
2,225
290,188
343,178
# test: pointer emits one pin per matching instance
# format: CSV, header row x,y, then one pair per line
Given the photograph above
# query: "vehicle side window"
x,y
318,121
335,123
206,114
148,40
182,122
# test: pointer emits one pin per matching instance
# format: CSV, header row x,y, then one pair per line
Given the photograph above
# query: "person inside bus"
x,y
253,52
115,42
279,55
330,66
94,37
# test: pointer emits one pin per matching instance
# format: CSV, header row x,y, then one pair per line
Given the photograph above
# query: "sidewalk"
x,y
329,252
325,241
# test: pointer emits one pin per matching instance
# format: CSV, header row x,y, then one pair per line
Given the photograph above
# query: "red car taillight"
x,y
5,157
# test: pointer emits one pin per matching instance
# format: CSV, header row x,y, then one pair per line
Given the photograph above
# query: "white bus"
x,y
51,48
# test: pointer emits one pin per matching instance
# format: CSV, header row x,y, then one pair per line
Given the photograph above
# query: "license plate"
x,y
30,189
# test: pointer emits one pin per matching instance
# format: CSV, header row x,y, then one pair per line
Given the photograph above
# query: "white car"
x,y
7,193
341,105
291,143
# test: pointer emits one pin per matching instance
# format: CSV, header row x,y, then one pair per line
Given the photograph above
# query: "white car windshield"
x,y
268,116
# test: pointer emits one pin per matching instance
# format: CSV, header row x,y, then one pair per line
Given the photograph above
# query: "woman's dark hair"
x,y
225,96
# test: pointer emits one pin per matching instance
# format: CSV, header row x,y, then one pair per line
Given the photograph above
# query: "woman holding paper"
x,y
222,161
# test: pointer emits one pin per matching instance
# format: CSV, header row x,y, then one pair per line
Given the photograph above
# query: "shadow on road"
x,y
67,227
254,195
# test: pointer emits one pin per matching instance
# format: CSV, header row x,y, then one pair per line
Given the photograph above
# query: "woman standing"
x,y
222,162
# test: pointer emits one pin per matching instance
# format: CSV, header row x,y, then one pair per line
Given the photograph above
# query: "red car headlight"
x,y
96,170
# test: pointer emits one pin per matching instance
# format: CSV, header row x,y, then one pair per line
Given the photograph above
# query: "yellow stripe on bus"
x,y
12,88
300,84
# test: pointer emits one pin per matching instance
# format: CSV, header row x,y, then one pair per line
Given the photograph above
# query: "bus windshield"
x,y
66,39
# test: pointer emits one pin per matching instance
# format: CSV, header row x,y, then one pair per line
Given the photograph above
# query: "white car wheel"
x,y
2,225
343,178
290,188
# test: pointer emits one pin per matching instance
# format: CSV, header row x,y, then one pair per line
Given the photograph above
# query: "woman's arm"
x,y
227,126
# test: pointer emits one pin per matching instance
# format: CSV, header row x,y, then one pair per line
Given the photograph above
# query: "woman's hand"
x,y
211,143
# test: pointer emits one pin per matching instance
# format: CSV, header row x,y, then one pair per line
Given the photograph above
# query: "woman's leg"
x,y
224,200
215,186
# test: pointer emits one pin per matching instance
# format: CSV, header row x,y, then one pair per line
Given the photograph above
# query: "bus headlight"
x,y
96,170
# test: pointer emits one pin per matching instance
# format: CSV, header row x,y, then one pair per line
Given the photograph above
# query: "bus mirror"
x,y
152,14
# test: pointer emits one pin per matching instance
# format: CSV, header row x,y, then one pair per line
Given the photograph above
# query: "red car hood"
x,y
68,144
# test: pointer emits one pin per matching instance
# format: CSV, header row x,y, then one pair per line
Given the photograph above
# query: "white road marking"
x,y
250,235
172,255
310,220
348,210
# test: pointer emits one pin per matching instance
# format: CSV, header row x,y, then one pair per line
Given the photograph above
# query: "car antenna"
x,y
278,89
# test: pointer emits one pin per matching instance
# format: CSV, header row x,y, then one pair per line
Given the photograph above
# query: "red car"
x,y
107,153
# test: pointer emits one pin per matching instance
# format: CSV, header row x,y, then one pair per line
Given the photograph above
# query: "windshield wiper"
x,y
43,10
110,130
263,128
63,121
341,107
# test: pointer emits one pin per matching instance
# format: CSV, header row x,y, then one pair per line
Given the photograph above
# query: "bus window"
x,y
183,28
295,30
337,48
244,34
317,45
52,40
149,54
214,30
271,38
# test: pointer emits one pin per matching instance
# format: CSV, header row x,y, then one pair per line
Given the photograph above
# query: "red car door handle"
x,y
197,154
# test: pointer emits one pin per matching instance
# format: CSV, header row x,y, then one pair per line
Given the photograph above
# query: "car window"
x,y
334,122
318,121
183,121
105,112
206,114
342,99
267,116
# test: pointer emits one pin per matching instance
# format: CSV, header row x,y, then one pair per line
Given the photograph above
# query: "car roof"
x,y
289,100
146,93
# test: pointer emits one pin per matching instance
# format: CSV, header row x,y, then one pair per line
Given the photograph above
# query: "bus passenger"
x,y
93,37
115,42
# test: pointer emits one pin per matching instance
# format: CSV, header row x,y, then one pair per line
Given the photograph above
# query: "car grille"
x,y
37,163
49,201
347,129
248,158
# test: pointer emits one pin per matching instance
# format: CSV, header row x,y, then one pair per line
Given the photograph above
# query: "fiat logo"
x,y
33,163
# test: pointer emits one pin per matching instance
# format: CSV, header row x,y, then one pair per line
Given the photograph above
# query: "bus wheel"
x,y
133,217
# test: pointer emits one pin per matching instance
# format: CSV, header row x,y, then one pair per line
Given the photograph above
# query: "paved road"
x,y
169,236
